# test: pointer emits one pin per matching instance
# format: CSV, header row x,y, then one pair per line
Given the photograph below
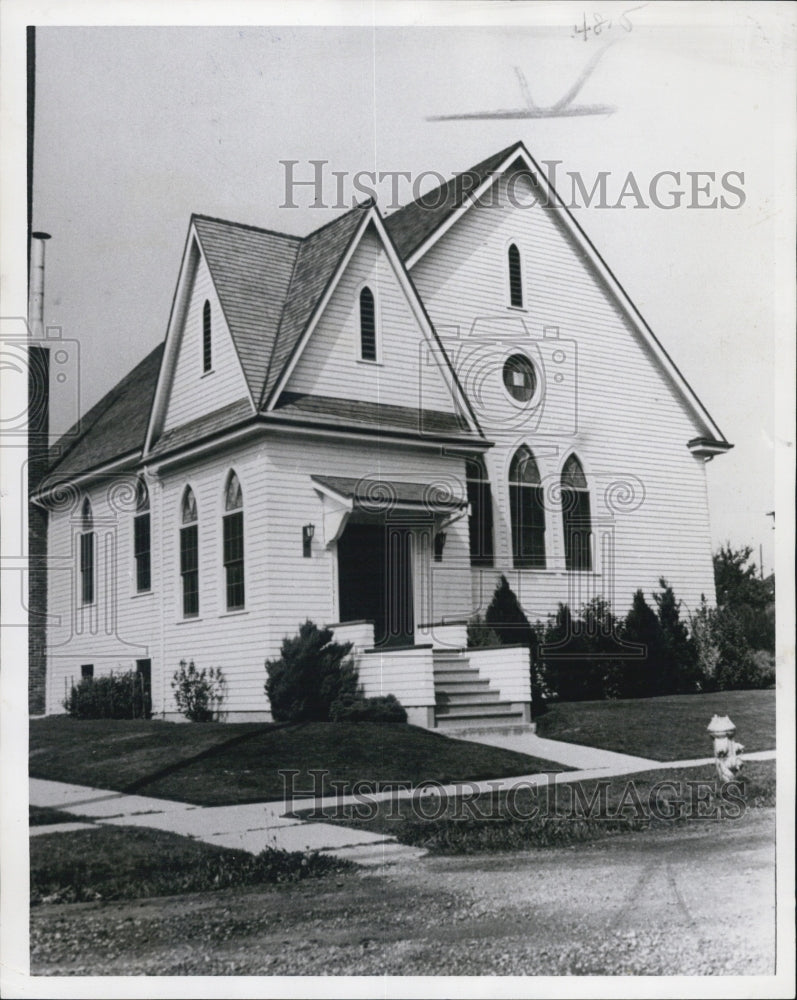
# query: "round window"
x,y
520,379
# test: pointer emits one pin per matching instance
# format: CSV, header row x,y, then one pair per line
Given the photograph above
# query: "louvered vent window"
x,y
515,278
367,325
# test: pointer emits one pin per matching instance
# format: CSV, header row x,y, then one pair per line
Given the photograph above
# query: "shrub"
x,y
506,619
725,660
741,590
481,635
641,627
114,696
678,657
198,693
311,673
385,708
581,657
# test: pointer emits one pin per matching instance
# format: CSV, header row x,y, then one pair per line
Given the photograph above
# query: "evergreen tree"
x,y
642,629
678,668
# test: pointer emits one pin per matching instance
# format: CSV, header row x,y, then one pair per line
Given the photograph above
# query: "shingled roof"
x,y
251,270
269,286
316,263
413,224
115,426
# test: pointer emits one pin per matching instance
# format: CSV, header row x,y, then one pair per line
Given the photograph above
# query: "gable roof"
x,y
412,225
417,226
115,426
270,286
317,261
251,271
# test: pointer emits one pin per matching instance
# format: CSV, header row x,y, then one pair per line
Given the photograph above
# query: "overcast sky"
x,y
138,127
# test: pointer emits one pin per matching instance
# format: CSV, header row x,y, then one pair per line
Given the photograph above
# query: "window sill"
x,y
235,613
518,309
205,374
141,593
373,364
188,621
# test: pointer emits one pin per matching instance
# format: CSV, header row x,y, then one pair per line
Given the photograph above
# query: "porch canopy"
x,y
377,498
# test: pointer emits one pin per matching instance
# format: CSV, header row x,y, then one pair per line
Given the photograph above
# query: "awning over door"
x,y
440,500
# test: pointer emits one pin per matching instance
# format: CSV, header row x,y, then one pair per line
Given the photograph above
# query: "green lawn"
x,y
218,764
116,862
667,728
45,816
561,814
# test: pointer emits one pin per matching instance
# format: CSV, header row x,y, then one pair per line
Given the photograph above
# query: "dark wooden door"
x,y
375,580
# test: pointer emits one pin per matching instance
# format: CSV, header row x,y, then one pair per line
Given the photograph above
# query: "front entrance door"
x,y
375,580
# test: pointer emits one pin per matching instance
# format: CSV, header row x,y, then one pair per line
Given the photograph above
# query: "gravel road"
x,y
696,900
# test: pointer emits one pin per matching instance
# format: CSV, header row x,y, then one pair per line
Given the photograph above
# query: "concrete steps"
x,y
464,699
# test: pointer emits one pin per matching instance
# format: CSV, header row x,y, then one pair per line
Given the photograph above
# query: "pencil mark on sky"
x,y
563,108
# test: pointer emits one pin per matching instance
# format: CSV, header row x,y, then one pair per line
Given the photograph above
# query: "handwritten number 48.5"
x,y
600,23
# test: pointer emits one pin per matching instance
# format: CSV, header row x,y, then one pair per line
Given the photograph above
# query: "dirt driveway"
x,y
664,902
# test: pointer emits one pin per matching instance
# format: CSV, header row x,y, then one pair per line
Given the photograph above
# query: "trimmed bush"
x,y
198,693
481,635
384,708
506,619
581,656
312,673
114,696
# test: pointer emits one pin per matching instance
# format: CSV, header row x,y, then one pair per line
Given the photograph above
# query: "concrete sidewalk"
x,y
255,827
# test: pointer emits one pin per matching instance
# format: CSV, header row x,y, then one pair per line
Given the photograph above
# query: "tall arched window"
x,y
141,538
207,345
233,533
576,516
86,553
480,524
367,325
189,554
527,510
515,277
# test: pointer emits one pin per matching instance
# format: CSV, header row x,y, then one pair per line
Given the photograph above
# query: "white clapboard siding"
x,y
121,626
282,588
507,670
408,674
194,393
300,588
614,405
406,371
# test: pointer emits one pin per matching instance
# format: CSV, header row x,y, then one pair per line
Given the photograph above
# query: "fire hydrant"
x,y
727,752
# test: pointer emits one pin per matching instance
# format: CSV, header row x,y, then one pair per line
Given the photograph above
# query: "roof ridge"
x,y
244,225
476,168
367,204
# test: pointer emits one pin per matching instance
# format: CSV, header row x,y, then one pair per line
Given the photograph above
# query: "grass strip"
x,y
567,813
135,862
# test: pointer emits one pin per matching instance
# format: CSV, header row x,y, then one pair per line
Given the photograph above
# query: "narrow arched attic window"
x,y
141,538
233,535
576,520
207,343
480,524
367,325
527,510
515,277
189,554
86,554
